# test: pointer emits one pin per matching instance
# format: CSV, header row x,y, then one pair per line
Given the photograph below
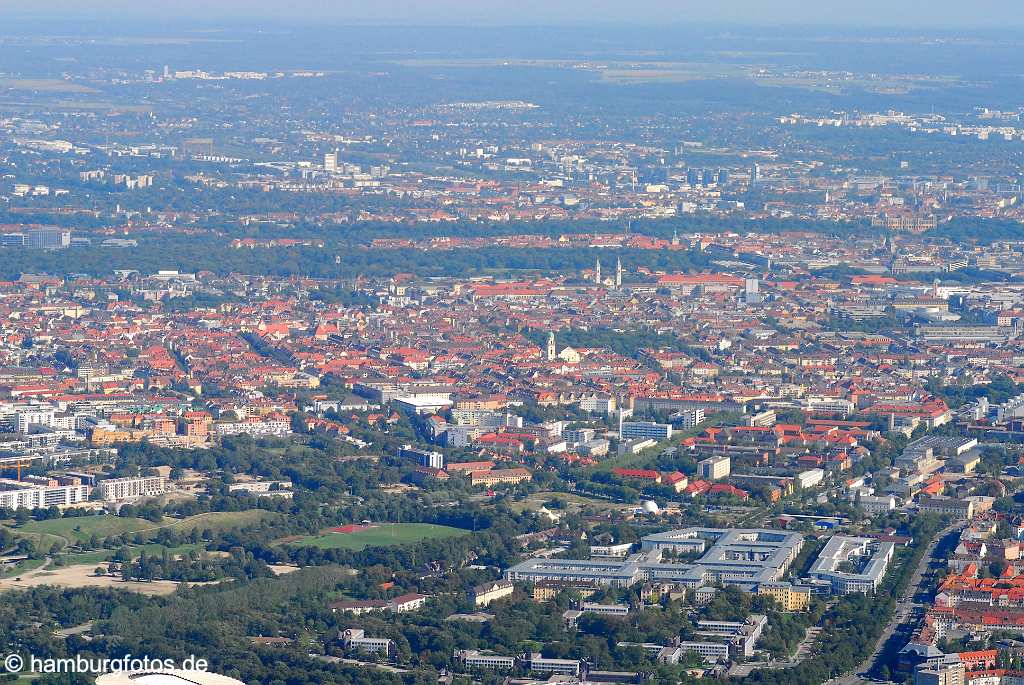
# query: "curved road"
x,y
903,609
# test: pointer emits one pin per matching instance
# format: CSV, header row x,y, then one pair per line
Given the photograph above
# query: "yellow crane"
x,y
18,465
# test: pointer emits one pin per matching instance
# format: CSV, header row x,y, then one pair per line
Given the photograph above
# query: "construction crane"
x,y
18,465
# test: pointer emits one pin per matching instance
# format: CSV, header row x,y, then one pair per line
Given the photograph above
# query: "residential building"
x,y
128,489
484,594
790,597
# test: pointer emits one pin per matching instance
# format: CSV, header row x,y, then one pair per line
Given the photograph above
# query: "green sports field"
x,y
381,535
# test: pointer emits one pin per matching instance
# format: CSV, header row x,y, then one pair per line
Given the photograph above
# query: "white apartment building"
x,y
127,489
17,495
252,427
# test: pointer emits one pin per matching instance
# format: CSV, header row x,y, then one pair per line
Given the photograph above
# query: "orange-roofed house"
x,y
638,474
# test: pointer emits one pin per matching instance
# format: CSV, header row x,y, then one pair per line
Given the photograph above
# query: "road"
x,y
904,609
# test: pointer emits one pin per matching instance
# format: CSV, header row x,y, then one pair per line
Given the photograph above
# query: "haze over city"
x,y
511,343
904,13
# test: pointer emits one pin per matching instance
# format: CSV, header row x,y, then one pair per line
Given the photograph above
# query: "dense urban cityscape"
x,y
513,356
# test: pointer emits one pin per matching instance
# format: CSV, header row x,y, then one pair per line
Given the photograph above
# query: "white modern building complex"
x,y
742,557
868,556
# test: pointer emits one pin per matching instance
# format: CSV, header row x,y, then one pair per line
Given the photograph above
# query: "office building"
x,y
868,556
428,458
633,430
539,664
48,238
709,652
713,468
331,162
741,557
355,640
474,660
688,418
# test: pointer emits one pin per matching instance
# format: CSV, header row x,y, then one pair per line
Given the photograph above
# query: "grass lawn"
x,y
573,501
219,520
382,535
22,567
101,556
84,527
80,529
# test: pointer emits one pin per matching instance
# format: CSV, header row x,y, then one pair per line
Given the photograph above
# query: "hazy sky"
x,y
923,13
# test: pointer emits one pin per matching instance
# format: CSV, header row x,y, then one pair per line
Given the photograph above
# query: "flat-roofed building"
x,y
741,557
604,609
127,489
473,659
428,458
632,430
869,556
539,664
354,639
709,652
18,495
714,468
620,551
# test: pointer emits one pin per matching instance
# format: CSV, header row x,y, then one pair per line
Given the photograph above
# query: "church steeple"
x,y
597,271
618,272
552,353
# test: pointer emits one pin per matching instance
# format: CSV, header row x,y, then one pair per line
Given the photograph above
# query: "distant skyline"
x,y
911,13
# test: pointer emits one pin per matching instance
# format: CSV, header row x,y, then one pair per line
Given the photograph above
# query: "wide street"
x,y
905,606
